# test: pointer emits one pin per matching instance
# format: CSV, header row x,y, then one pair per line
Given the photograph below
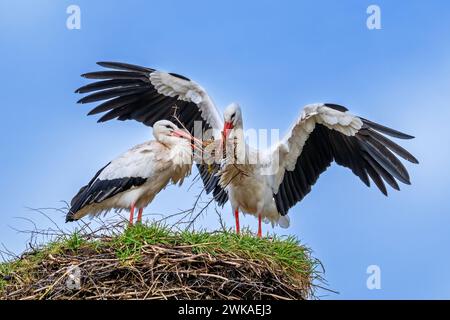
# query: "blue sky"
x,y
272,58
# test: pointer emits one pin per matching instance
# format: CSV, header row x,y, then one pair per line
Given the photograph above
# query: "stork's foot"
x,y
139,218
131,214
238,227
259,227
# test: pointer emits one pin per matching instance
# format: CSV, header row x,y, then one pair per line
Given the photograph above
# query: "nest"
x,y
173,270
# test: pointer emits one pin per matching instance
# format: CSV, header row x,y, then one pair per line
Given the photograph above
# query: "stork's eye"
x,y
232,116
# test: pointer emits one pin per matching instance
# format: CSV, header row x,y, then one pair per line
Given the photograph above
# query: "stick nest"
x,y
152,262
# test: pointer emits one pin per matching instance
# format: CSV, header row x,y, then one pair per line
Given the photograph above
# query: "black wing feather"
x,y
390,132
99,190
108,84
367,154
125,66
112,93
211,182
128,94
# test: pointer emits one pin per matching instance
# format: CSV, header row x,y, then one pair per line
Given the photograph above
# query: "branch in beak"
x,y
188,136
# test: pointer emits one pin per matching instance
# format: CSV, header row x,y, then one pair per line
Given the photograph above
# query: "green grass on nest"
x,y
211,264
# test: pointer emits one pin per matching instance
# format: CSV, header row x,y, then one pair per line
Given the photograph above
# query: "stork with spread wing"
x,y
285,173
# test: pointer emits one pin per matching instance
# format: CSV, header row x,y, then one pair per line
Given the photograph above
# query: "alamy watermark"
x,y
373,281
73,281
374,20
73,21
241,147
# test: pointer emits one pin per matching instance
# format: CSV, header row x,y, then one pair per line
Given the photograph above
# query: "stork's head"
x,y
232,117
168,133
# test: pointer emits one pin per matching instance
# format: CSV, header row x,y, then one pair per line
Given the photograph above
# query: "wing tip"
x,y
406,136
104,64
386,130
70,217
381,186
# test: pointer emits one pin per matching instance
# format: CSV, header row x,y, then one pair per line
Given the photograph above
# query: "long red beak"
x,y
227,127
184,134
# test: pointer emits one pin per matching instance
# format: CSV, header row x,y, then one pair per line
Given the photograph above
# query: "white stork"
x,y
323,133
133,179
285,173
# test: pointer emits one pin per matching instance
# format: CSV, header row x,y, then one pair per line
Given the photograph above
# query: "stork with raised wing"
x,y
133,179
322,134
284,174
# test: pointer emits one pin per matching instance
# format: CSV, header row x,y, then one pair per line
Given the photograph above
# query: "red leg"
x,y
139,218
131,214
259,227
236,216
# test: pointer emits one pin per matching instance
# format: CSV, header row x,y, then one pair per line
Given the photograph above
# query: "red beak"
x,y
227,127
184,134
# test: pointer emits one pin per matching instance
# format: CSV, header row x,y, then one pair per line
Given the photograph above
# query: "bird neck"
x,y
236,147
